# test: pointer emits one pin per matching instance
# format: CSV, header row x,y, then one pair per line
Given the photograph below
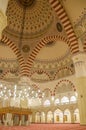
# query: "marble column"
x,y
26,120
19,120
45,117
72,116
80,72
0,119
33,117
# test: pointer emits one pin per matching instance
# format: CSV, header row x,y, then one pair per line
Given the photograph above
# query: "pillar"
x,y
53,118
45,117
72,116
33,117
5,119
11,119
19,120
26,120
0,119
80,70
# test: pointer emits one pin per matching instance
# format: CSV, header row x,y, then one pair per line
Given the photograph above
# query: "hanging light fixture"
x,y
22,90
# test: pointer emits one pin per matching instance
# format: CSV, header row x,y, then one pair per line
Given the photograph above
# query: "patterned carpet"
x,y
46,127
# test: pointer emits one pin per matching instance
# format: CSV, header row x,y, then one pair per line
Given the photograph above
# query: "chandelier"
x,y
22,91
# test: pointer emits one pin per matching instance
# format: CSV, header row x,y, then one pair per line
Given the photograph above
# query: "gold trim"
x,y
15,110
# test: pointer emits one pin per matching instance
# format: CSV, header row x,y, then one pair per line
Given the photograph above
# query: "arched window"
x,y
57,101
73,99
65,100
47,103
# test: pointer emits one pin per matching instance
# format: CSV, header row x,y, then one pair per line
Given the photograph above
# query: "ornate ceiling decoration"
x,y
27,3
25,48
46,71
36,20
59,27
37,46
44,22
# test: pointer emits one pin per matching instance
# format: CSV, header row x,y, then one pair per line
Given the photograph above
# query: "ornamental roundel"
x,y
59,27
27,3
25,48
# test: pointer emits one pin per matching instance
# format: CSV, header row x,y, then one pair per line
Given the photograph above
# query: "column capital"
x,y
79,57
79,61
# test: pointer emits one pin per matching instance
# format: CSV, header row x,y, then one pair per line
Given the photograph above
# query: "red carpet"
x,y
45,127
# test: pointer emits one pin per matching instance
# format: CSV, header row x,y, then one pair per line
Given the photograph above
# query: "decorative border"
x,y
39,46
62,81
84,46
63,68
12,45
42,72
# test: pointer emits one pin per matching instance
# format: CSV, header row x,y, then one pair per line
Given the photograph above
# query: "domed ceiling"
x,y
32,17
40,38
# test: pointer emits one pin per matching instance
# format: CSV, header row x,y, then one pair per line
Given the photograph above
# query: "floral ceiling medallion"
x,y
27,3
26,48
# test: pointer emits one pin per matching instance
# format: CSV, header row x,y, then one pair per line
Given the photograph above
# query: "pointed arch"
x,y
40,71
47,89
63,68
38,47
4,73
60,11
16,51
64,81
84,46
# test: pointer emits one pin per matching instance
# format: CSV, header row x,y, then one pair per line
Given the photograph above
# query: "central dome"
x,y
27,3
37,17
